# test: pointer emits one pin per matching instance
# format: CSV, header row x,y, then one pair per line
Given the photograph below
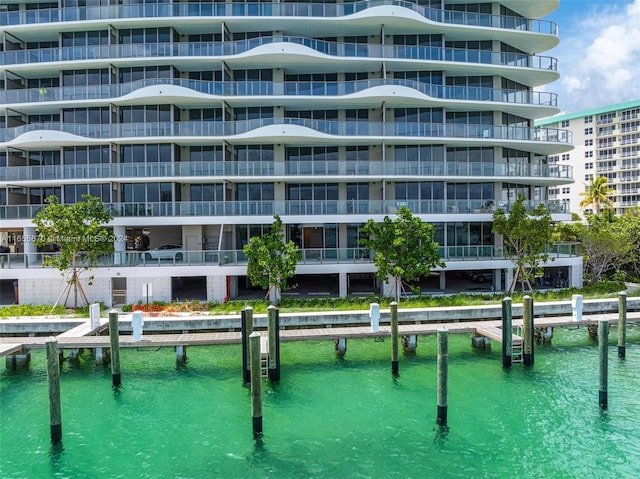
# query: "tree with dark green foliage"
x,y
526,236
78,234
404,248
272,261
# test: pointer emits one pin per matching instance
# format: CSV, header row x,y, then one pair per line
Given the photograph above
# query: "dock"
x,y
84,337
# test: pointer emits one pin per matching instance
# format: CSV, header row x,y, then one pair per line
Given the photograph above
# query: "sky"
x,y
598,55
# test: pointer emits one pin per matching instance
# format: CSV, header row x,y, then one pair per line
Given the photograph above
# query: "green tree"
x,y
404,248
606,245
525,237
596,195
77,231
272,261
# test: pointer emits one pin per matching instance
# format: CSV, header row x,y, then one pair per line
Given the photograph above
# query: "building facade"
x,y
607,143
197,122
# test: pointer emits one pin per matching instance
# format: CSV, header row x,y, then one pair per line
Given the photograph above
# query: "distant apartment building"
x,y
196,122
607,143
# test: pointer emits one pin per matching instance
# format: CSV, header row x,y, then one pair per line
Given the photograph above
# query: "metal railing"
x,y
315,256
265,169
295,208
231,48
234,89
265,9
224,129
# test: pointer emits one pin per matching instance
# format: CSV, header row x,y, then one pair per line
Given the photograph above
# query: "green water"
x,y
331,418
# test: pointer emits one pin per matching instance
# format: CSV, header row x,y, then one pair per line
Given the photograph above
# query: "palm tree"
x,y
596,195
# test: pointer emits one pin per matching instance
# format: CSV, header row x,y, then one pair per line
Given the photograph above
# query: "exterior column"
x,y
497,280
30,248
342,284
443,280
508,278
120,245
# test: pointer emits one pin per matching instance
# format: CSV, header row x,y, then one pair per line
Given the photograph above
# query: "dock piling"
x,y
622,324
507,333
603,343
246,316
394,338
273,325
443,365
256,383
115,348
527,330
53,373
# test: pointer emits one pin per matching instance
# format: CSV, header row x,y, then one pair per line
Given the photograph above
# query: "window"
x,y
588,119
588,131
588,142
564,124
588,154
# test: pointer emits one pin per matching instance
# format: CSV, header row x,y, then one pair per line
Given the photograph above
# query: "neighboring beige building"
x,y
607,143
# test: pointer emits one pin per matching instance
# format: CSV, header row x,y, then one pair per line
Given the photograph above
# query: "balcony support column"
x,y
342,285
120,245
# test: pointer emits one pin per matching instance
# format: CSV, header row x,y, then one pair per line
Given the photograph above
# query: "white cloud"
x,y
599,57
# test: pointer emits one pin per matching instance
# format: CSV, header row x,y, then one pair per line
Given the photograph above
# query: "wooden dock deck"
x,y
83,337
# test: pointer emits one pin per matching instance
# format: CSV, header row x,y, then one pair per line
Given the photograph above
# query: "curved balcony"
x,y
221,91
294,169
254,9
223,50
293,208
124,132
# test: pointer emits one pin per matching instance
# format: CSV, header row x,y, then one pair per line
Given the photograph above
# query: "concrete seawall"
x,y
178,322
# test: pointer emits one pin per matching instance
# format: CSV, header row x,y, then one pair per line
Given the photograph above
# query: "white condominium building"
x,y
196,122
607,143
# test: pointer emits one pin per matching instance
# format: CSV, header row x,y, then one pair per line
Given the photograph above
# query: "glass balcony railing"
x,y
316,256
294,208
225,49
267,9
262,88
265,169
224,129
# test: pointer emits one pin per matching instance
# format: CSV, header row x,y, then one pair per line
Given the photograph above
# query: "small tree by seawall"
x,y
526,236
272,261
404,248
77,232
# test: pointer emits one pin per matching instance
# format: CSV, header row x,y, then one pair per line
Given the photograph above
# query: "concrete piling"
x,y
273,326
527,330
443,360
507,335
394,338
115,348
246,316
622,324
603,343
53,373
256,383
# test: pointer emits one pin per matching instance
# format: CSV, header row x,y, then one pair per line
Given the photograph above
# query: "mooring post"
x,y
507,333
394,338
603,343
247,328
115,348
443,364
53,373
622,324
527,330
256,383
273,325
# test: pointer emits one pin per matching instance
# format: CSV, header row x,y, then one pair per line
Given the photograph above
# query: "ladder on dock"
x,y
516,350
264,356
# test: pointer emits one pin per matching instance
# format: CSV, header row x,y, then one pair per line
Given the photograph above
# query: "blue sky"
x,y
599,53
